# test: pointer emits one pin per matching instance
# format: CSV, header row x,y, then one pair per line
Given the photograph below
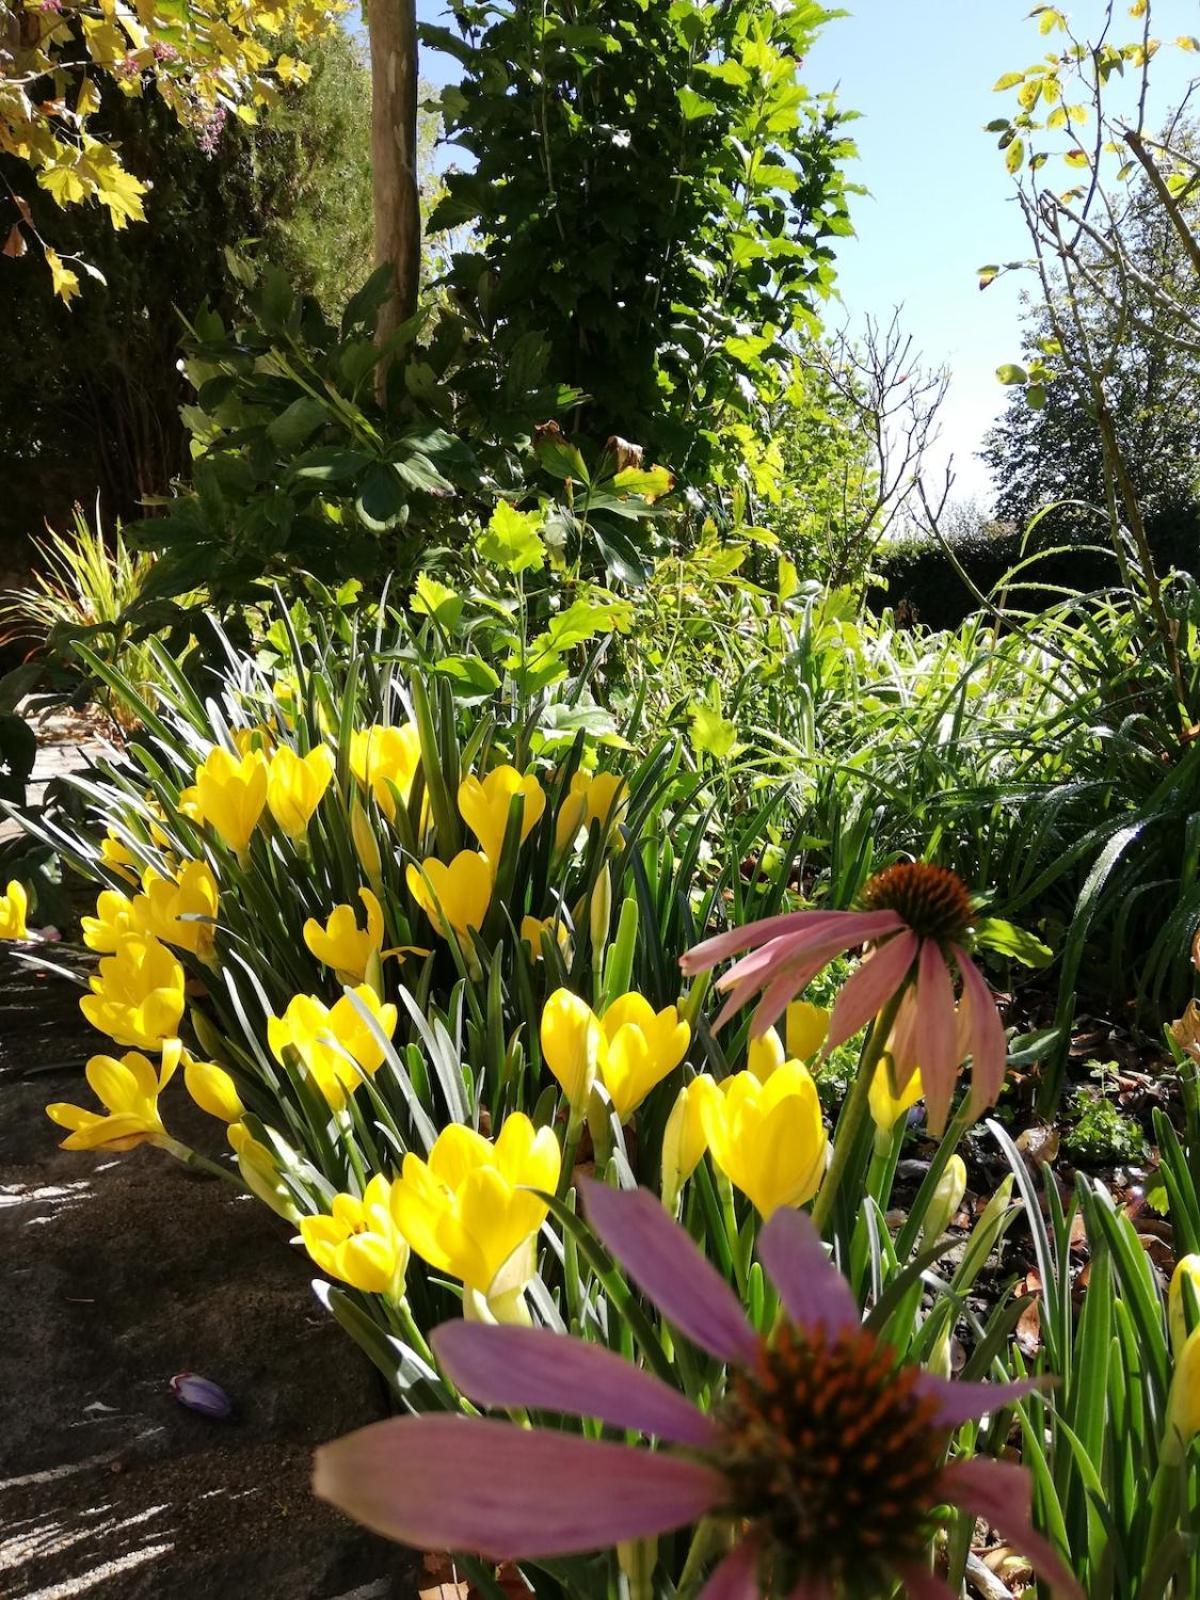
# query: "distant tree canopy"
x,y
90,396
1055,452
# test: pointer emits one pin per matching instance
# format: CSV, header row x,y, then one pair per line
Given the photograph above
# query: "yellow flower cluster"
x,y
469,1211
629,1049
335,1045
762,1127
179,910
231,792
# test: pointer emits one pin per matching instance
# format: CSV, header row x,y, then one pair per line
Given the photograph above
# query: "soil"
x,y
118,1271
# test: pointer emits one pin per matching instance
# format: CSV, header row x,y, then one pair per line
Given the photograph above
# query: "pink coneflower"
x,y
823,1465
915,917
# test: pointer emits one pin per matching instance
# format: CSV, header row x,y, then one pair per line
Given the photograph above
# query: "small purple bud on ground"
x,y
202,1395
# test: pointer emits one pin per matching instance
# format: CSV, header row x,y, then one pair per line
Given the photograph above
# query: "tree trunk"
x,y
392,30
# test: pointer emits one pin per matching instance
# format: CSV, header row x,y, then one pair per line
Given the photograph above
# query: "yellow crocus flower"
x,y
642,1048
192,892
469,1211
484,806
605,800
764,1053
1187,1273
260,737
116,855
137,996
767,1138
14,906
683,1142
573,1045
335,1044
383,757
359,1242
230,795
116,916
805,1029
887,1107
1183,1401
532,929
295,785
591,798
342,944
213,1090
128,1090
260,1171
457,895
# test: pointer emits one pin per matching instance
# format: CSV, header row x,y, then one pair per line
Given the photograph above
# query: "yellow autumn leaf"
x,y
66,282
66,180
116,188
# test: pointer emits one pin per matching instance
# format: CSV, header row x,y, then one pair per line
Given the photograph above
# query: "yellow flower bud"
x,y
213,1090
573,1043
366,845
805,1027
947,1197
764,1054
1185,1287
600,915
385,761
260,1172
683,1143
532,929
887,1108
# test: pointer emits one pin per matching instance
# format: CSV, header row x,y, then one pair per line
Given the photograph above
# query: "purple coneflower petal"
x,y
1002,1494
903,1041
813,1291
989,1048
667,1267
777,990
443,1482
865,994
507,1366
703,956
736,1576
935,1034
921,1584
960,1402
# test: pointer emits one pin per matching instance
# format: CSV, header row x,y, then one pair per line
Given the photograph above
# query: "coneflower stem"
x,y
854,1112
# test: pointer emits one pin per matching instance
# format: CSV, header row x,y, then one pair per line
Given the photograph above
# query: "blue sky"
x,y
921,72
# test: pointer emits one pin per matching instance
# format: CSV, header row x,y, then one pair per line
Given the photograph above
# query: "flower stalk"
x,y
854,1112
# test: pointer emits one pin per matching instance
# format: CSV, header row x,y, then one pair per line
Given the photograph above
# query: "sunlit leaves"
x,y
513,540
205,60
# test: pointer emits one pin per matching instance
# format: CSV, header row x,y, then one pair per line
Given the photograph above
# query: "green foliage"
x,y
1100,1135
654,192
90,397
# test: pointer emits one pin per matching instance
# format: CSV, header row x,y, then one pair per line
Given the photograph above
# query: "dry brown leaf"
x,y
1039,1144
15,244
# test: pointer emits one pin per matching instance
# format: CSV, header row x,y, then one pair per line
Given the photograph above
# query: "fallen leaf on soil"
x,y
1039,1144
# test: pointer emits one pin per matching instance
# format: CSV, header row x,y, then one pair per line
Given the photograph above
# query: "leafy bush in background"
x,y
653,193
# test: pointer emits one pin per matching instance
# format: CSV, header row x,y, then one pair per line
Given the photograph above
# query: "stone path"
x,y
117,1271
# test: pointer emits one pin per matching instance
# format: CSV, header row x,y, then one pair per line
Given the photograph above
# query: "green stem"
x,y
854,1111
